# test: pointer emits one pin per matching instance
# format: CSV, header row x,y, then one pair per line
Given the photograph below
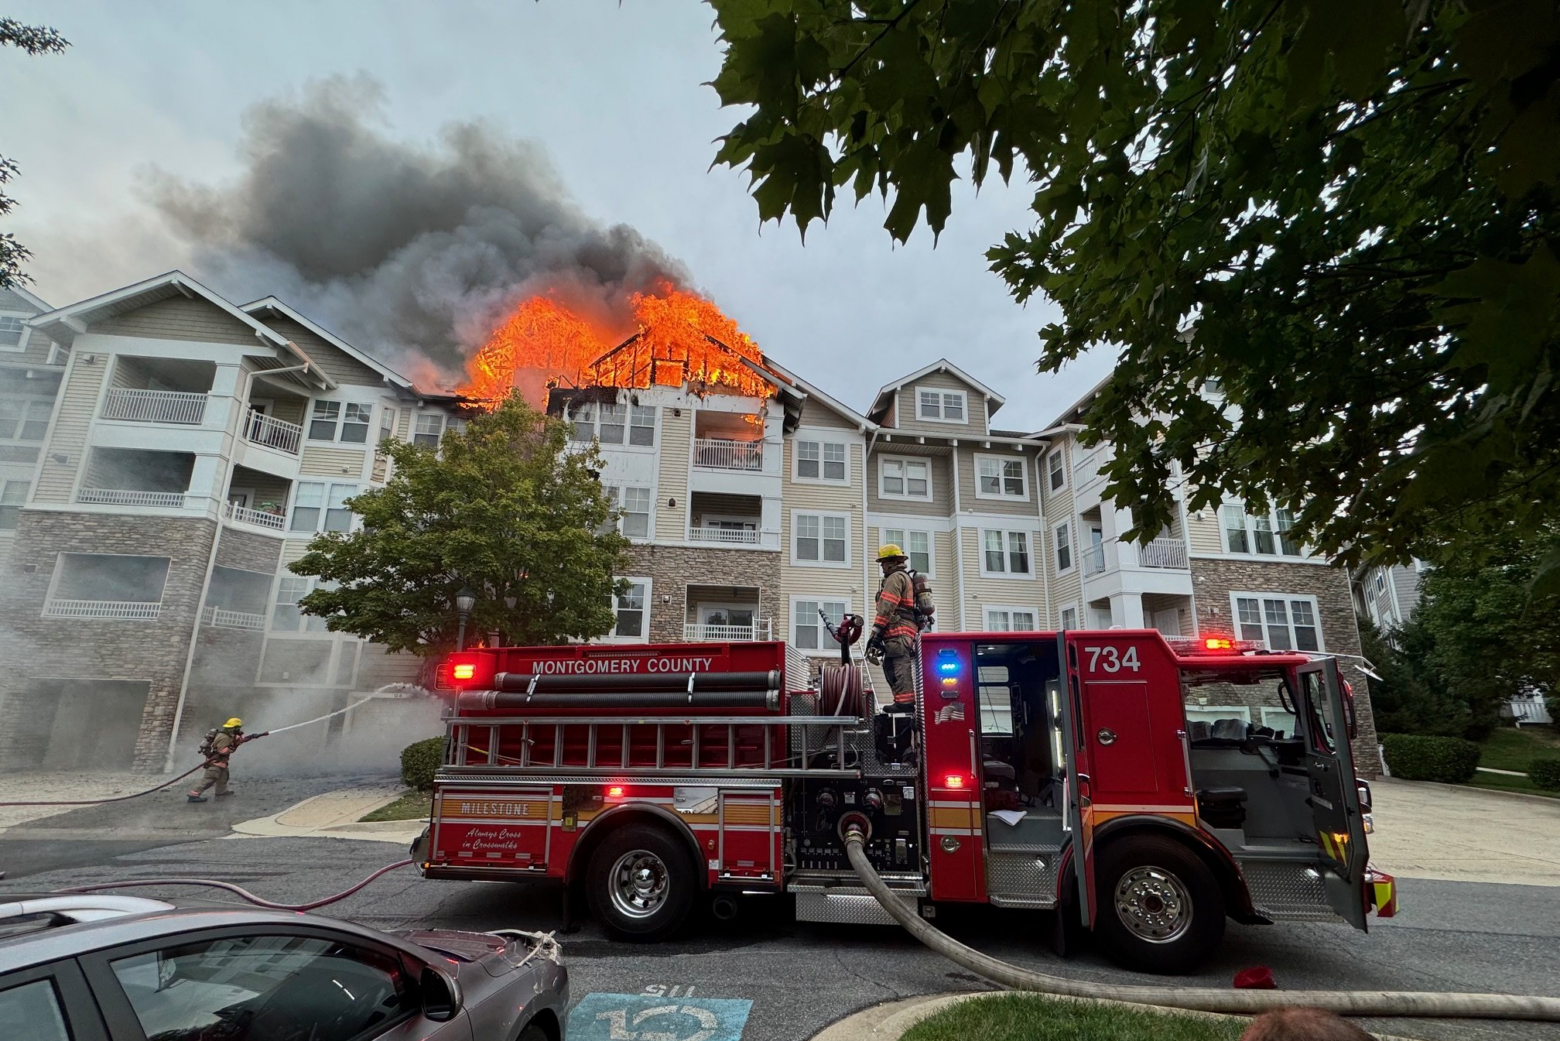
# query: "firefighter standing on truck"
x,y
217,749
904,607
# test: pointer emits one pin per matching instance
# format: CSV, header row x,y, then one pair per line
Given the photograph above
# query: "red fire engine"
x,y
1050,771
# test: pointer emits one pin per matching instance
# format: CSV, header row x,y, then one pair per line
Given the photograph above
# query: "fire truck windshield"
x,y
1215,706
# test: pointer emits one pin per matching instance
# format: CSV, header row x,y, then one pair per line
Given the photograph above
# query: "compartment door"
x,y
483,829
1335,804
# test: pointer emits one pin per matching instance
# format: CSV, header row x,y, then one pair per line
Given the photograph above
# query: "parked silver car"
x,y
117,968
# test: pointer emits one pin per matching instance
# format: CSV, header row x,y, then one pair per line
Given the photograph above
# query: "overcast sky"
x,y
613,95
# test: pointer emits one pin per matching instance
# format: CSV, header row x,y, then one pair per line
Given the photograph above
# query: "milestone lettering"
x,y
495,809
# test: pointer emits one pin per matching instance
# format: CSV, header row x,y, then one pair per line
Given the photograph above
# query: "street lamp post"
x,y
465,600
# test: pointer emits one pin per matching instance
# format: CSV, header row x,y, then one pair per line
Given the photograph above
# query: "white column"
x,y
1126,611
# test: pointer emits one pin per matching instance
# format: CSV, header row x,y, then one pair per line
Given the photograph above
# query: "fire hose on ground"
x,y
1383,1003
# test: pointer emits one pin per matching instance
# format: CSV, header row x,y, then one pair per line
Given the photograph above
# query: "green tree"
x,y
34,39
1344,212
502,507
1409,697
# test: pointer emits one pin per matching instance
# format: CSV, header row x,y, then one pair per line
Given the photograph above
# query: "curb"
x,y
1549,800
271,827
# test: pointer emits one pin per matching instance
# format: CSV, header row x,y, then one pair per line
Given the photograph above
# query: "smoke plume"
x,y
410,253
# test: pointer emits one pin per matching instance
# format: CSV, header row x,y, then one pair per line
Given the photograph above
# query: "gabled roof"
x,y
814,392
888,390
271,305
64,324
32,300
1074,412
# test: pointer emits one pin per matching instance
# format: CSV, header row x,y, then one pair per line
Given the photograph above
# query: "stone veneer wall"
x,y
672,569
95,648
1214,580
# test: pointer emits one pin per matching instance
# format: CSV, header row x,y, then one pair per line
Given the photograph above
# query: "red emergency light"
x,y
466,670
1218,643
953,781
463,670
615,792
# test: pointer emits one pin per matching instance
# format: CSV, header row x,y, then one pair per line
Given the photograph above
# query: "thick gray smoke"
x,y
407,252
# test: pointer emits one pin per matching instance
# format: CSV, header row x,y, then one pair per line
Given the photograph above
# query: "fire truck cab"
x,y
1053,771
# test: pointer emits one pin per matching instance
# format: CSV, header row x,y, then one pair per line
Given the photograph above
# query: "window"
x,y
24,420
1010,620
635,506
1234,519
1063,547
428,429
1283,622
821,539
999,478
315,502
1005,553
942,406
807,631
583,417
282,986
1069,618
905,478
13,494
612,423
386,424
110,578
354,425
641,426
322,427
1056,469
34,1008
820,461
916,544
285,614
1381,580
13,330
633,619
1266,534
1286,544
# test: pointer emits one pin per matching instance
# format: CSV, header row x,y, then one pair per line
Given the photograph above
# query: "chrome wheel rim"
x,y
1153,904
640,883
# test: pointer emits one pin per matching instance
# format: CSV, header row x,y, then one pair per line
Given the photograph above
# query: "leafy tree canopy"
x,y
501,507
1341,212
34,39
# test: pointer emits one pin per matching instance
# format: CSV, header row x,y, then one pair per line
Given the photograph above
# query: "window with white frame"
x,y
24,419
917,546
631,609
1265,534
1056,468
1004,553
997,477
1010,620
635,506
354,423
1069,618
13,332
318,506
820,539
821,461
641,425
613,423
286,615
428,429
1283,621
941,406
386,424
904,478
807,631
1063,547
323,419
13,495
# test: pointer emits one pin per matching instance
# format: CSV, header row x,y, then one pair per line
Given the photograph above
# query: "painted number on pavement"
x,y
655,1017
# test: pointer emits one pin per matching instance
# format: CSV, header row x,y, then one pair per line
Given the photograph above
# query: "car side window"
x,y
264,988
33,1012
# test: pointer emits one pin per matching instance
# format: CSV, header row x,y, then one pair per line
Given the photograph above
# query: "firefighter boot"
x,y
196,797
224,795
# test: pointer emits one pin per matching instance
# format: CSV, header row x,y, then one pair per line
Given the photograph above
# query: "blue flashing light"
x,y
948,666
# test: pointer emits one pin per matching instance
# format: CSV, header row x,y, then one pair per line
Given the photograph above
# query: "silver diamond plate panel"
x,y
1025,876
1287,892
847,906
859,742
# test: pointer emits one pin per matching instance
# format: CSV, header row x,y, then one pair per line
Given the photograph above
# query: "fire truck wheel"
x,y
1158,905
641,882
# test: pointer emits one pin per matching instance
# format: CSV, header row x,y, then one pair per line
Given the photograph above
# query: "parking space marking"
x,y
657,1017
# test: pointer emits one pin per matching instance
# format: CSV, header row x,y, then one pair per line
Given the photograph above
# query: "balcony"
x,y
734,537
261,429
1094,560
259,518
155,406
1164,552
224,619
699,633
713,453
126,497
122,610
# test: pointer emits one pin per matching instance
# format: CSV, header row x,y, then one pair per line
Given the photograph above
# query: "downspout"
x,y
958,538
866,554
1040,556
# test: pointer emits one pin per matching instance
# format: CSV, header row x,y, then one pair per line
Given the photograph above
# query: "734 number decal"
x,y
1109,658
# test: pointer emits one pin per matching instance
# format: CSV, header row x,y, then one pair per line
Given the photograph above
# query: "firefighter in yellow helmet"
x,y
217,748
896,628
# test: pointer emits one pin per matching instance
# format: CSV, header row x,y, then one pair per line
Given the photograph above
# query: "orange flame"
x,y
681,338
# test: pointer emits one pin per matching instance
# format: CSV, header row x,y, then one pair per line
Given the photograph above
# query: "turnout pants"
x,y
899,667
214,775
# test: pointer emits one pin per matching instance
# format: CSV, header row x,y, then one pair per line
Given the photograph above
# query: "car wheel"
x,y
641,882
534,1033
1159,908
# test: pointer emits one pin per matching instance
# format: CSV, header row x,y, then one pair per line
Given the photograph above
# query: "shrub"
x,y
419,761
1545,774
1450,760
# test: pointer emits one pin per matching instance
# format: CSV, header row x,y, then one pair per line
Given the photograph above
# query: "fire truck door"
x,y
1074,819
1335,806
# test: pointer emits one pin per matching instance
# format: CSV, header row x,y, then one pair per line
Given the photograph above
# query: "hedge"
x,y
1545,774
1413,757
419,761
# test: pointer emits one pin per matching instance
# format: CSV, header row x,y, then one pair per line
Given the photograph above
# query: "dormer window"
x,y
941,406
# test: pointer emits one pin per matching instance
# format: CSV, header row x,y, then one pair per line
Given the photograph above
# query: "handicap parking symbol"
x,y
643,1017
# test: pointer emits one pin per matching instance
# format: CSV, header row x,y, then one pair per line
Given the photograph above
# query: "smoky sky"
x,y
409,251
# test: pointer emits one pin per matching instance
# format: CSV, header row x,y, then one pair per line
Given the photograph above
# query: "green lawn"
x,y
1513,748
409,807
1028,1017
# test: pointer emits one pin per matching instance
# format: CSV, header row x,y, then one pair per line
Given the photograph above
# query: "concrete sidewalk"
x,y
52,787
1459,834
338,815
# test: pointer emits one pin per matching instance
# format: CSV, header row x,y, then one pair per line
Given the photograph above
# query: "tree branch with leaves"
x,y
35,40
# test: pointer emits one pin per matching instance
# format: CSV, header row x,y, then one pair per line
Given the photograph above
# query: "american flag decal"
x,y
954,712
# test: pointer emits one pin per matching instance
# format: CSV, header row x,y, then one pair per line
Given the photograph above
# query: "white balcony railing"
x,y
1093,560
719,454
222,618
1164,552
1530,709
120,609
728,536
126,497
261,518
701,633
275,433
155,406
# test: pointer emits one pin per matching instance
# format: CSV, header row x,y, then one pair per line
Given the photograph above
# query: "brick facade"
x,y
671,569
1214,580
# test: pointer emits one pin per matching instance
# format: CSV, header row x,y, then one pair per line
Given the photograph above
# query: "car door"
x,y
1334,798
263,983
49,1003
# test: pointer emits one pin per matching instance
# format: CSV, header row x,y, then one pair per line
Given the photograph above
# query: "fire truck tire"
x,y
641,882
1158,905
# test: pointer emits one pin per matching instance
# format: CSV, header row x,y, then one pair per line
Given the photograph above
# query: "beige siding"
x,y
982,591
289,410
78,402
944,577
178,318
268,488
342,463
941,503
816,414
124,377
38,346
403,425
378,667
1014,507
1203,535
975,407
824,583
294,549
333,361
671,522
1065,590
